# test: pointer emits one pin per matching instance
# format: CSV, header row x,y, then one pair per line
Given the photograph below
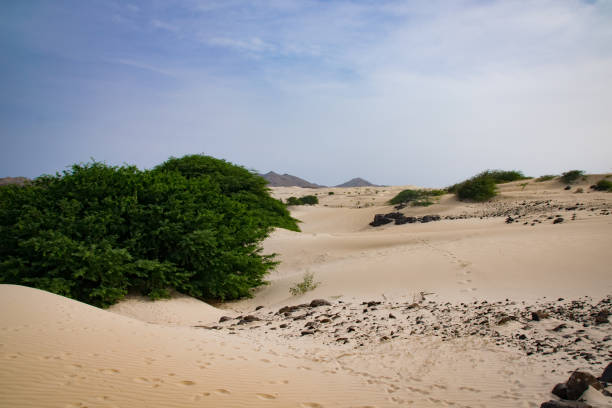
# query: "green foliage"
x,y
330,193
482,186
479,188
416,197
545,177
604,185
570,176
305,285
94,232
504,176
305,200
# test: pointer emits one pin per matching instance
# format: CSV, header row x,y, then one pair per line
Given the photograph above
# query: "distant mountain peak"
x,y
287,180
357,182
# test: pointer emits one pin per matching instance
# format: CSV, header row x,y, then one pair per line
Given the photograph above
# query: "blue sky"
x,y
397,92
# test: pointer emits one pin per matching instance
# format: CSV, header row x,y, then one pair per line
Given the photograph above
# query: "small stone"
x,y
224,319
307,332
258,307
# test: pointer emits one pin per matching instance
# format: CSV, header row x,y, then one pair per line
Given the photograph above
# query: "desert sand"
x,y
422,315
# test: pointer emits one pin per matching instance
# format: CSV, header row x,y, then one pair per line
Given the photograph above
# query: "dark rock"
x,y
558,220
391,316
560,327
405,220
537,316
509,220
394,215
578,383
307,332
565,404
283,326
560,390
607,374
249,319
505,319
429,218
319,302
602,317
567,188
258,307
289,309
380,219
224,319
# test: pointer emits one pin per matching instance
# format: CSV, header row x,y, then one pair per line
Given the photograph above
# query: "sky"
x,y
397,92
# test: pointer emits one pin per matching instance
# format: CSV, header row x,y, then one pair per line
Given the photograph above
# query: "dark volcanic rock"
x,y
319,302
602,317
606,376
224,319
578,383
560,390
565,404
380,219
558,220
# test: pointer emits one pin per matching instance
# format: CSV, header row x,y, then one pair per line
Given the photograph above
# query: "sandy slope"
x,y
57,352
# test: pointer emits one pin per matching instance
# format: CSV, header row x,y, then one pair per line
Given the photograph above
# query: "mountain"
x,y
357,182
287,180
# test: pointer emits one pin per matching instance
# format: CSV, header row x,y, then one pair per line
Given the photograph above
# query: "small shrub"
x,y
407,196
604,185
305,200
523,185
330,193
307,284
570,176
579,190
545,177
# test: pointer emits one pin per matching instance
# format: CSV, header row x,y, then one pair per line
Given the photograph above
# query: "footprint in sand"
x,y
198,397
265,396
108,371
186,383
310,405
222,391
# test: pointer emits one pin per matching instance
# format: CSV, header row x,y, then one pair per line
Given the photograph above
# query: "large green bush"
x,y
194,224
570,176
482,187
603,185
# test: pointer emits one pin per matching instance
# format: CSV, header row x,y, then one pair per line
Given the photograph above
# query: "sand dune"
x,y
57,352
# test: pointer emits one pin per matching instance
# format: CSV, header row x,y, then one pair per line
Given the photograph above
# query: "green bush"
x,y
603,185
305,200
194,224
479,188
412,196
570,176
330,193
504,176
545,177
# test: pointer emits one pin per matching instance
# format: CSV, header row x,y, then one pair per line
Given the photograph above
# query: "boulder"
x,y
602,317
606,376
558,220
579,382
380,219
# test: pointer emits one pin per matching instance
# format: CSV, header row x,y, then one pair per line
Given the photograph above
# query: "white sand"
x,y
56,352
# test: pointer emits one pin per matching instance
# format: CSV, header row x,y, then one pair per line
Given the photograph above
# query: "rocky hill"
x,y
287,180
357,182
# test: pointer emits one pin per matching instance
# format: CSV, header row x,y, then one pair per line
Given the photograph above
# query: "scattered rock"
x,y
319,302
249,319
307,332
538,315
224,319
258,308
558,220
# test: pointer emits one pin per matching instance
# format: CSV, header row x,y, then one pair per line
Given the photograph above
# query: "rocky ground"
x,y
527,212
555,329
